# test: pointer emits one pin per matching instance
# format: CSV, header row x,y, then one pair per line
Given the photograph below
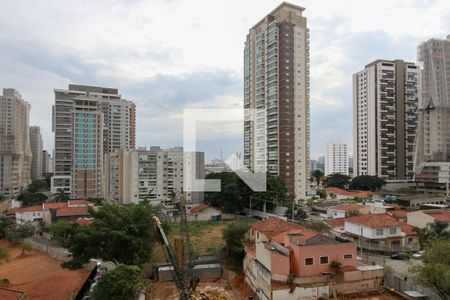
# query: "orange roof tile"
x,y
53,205
335,222
374,220
84,221
72,211
199,208
30,209
79,202
359,194
440,215
408,229
276,228
9,294
251,250
398,213
349,207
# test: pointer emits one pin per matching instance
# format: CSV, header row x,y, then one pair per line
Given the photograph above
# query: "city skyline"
x,y
162,73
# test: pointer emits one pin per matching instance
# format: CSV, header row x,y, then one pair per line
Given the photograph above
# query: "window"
x,y
323,260
309,261
348,256
393,230
379,231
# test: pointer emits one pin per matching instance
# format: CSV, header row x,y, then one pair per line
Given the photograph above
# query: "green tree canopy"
x,y
367,183
234,235
5,223
60,196
435,270
337,180
122,283
299,214
120,233
318,176
31,198
19,231
38,186
437,229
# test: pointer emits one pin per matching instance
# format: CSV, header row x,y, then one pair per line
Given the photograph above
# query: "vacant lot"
x,y
39,275
206,237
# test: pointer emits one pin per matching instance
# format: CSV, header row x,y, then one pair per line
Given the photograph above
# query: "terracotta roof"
x,y
9,294
199,208
374,220
251,250
348,207
339,222
84,221
53,205
72,211
441,215
398,213
33,208
275,228
338,191
408,229
393,205
79,202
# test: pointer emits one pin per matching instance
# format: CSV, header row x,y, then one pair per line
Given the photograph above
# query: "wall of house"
x,y
333,252
263,255
368,232
302,293
280,264
22,217
419,219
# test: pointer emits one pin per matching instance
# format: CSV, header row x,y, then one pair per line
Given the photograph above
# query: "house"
x,y
422,218
280,251
54,211
341,194
416,201
381,233
204,212
342,211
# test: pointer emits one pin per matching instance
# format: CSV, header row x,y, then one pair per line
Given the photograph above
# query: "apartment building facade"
x,y
336,158
155,174
15,150
88,121
432,159
385,100
276,97
36,152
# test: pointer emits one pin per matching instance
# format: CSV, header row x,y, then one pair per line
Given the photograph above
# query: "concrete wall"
x,y
419,219
302,293
368,232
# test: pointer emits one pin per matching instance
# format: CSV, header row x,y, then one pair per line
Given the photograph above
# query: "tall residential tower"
x,y
385,102
15,152
276,97
36,152
336,158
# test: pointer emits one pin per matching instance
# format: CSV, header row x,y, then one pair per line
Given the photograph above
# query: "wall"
x,y
302,293
419,219
368,232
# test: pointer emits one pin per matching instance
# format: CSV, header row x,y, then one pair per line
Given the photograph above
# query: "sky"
x,y
170,55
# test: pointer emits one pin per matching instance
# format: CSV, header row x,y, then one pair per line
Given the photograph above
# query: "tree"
x,y
5,223
322,194
122,283
318,176
63,231
435,270
234,235
299,214
336,266
353,212
19,231
38,186
2,197
4,255
60,196
337,180
26,247
31,198
232,197
120,233
437,229
367,183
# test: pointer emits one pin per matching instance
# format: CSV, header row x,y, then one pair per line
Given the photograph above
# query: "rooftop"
x,y
199,208
338,191
72,211
440,215
276,229
374,220
339,222
349,207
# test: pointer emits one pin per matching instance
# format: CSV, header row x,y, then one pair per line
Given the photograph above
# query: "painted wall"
x,y
370,233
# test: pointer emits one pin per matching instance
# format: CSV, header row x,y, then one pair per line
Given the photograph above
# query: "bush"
x,y
4,282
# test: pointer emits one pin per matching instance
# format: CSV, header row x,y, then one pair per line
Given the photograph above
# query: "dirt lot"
x,y
39,275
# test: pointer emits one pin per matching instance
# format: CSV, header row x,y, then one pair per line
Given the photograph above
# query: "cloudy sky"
x,y
173,54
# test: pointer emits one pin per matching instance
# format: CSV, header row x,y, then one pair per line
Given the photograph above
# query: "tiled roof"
x,y
33,208
339,222
408,229
349,207
338,191
199,208
398,213
84,221
54,205
9,294
275,228
374,220
72,211
440,215
79,202
251,250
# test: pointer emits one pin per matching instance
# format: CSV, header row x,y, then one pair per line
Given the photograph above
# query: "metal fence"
x,y
56,252
401,284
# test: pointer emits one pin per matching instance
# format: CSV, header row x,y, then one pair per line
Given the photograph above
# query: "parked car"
x,y
418,255
400,255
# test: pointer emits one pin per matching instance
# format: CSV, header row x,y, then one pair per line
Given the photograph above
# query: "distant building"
x,y
276,82
423,218
432,159
385,103
316,165
155,174
46,163
216,166
336,158
15,151
36,152
416,201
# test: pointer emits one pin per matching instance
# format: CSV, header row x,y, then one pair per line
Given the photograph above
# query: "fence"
x,y
402,284
56,252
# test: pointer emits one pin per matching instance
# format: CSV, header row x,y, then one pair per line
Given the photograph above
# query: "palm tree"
x,y
60,196
318,175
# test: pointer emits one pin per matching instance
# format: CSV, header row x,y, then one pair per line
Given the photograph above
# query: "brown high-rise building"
x,y
276,84
15,151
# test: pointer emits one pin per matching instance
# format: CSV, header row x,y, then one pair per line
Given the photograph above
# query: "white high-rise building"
x,y
276,97
15,151
36,152
336,158
385,102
